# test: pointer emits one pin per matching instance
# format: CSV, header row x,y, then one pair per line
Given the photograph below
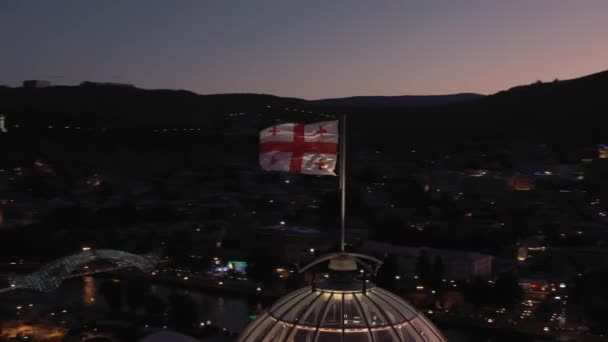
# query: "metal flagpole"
x,y
343,178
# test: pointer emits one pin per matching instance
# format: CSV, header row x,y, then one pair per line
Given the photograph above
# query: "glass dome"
x,y
332,310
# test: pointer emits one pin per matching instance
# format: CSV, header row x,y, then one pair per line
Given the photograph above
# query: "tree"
x,y
477,292
438,271
546,308
386,273
261,267
507,292
423,267
588,292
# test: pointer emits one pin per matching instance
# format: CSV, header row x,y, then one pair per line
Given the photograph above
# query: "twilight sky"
x,y
309,49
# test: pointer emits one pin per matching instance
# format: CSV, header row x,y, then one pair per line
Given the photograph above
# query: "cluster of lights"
x,y
176,129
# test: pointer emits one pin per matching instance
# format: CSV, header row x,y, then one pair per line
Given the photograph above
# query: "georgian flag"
x,y
295,147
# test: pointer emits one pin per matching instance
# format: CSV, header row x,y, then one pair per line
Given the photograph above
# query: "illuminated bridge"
x,y
53,274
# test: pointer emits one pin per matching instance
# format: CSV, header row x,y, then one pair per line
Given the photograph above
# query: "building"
x,y
342,308
457,264
521,183
36,84
106,84
602,151
167,335
291,244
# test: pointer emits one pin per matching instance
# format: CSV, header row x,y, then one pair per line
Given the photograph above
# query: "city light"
x,y
150,177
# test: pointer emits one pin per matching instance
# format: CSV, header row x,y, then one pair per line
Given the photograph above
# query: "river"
x,y
224,311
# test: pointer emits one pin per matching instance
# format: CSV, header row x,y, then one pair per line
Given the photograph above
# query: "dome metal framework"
x,y
343,309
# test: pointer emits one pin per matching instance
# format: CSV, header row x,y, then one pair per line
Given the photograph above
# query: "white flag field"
x,y
300,148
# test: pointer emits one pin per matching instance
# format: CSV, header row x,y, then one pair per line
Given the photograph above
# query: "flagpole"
x,y
342,179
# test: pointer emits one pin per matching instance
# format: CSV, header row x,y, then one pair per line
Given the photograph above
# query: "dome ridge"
x,y
345,310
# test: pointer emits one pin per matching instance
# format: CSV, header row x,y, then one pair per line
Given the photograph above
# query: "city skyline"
x,y
312,51
131,213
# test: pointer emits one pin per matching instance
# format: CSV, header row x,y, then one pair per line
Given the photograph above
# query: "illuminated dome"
x,y
341,309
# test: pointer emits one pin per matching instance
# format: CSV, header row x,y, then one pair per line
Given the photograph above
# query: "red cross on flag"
x,y
296,147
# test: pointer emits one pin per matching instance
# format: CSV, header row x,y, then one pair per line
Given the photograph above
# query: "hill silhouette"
x,y
564,113
113,106
370,102
566,110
